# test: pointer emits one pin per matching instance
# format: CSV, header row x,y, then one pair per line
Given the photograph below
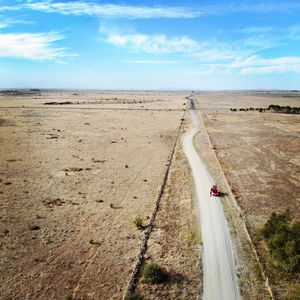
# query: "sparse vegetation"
x,y
192,236
258,272
283,240
272,108
134,296
57,103
294,294
284,109
34,227
154,274
138,223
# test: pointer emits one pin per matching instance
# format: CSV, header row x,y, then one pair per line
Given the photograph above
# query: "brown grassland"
x,y
73,177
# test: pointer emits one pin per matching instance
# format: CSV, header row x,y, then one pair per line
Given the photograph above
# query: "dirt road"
x,y
220,280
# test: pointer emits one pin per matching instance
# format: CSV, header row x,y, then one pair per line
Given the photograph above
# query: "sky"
x,y
160,45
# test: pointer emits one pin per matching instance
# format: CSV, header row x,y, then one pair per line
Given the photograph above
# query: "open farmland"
x,y
77,167
73,177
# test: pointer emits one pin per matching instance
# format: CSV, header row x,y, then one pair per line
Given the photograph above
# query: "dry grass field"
x,y
77,167
73,177
259,153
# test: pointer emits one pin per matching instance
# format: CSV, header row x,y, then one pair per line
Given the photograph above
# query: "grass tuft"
x,y
138,223
153,273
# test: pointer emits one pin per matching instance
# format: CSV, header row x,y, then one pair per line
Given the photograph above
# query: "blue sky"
x,y
150,44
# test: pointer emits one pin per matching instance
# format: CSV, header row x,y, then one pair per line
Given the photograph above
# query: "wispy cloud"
x,y
153,62
112,10
255,29
294,32
264,7
160,44
271,69
254,41
259,42
5,8
259,61
150,12
248,66
156,44
6,22
33,46
258,65
206,69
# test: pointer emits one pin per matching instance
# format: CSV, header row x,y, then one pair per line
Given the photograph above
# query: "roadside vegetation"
x,y
282,237
154,274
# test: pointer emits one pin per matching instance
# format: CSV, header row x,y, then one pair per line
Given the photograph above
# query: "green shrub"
x,y
276,223
283,240
138,223
154,274
134,296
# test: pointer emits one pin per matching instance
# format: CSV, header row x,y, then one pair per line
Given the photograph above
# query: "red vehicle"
x,y
214,191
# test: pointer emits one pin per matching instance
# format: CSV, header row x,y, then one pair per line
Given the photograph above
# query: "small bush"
x,y
138,223
283,240
154,274
134,296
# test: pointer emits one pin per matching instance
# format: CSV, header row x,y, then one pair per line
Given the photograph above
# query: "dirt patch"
x,y
6,122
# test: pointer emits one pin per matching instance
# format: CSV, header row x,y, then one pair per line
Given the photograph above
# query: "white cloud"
x,y
157,44
206,69
160,44
10,8
34,46
93,8
263,7
271,69
5,22
255,60
258,65
250,65
111,10
153,62
255,29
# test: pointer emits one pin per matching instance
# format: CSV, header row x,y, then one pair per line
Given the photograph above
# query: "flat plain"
x,y
77,167
73,178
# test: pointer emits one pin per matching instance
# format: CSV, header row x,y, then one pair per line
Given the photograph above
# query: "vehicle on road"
x,y
214,191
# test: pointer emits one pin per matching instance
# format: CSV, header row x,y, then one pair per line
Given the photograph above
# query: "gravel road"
x,y
220,280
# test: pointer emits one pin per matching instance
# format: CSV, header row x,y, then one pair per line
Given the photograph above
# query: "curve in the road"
x,y
220,282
